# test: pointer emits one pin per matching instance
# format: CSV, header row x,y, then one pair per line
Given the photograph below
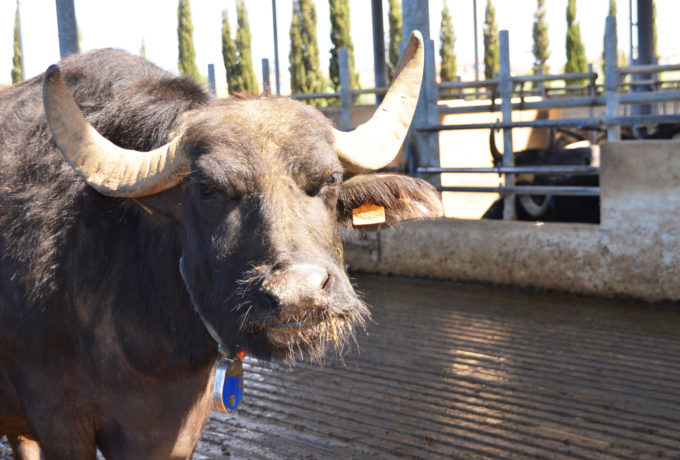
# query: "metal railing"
x,y
505,88
502,94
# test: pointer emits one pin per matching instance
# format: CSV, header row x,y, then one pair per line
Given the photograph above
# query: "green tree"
x,y
540,37
305,76
491,52
17,67
244,80
576,52
394,19
228,52
447,38
612,12
341,38
185,41
142,49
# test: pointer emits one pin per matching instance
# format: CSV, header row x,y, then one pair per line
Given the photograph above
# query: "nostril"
x,y
326,282
273,301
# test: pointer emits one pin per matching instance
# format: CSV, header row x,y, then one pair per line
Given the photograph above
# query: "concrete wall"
x,y
634,252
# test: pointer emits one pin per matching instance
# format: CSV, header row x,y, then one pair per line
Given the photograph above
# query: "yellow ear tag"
x,y
368,214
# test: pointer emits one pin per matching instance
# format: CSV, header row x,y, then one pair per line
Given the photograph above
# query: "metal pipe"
x,y
505,88
611,76
553,77
381,90
561,170
68,30
652,68
645,53
276,50
345,86
474,19
211,79
586,123
266,82
314,95
585,101
526,190
468,84
631,58
378,47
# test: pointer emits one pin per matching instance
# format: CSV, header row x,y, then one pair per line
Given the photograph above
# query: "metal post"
x,y
345,86
474,18
631,58
591,93
66,25
266,83
422,147
211,79
541,85
378,47
276,50
505,89
611,77
645,54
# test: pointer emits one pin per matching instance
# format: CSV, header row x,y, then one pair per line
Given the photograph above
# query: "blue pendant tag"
x,y
228,388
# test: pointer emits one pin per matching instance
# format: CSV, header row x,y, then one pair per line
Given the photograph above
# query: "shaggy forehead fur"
x,y
240,141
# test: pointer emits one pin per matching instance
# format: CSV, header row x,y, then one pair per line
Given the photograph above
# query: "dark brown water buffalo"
x,y
551,208
125,175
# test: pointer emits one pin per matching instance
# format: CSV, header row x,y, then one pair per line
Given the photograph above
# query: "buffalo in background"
x,y
551,208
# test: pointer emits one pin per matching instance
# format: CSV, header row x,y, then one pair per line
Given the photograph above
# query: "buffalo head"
x,y
254,190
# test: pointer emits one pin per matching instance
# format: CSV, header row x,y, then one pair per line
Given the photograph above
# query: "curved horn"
x,y
533,209
496,155
109,169
374,144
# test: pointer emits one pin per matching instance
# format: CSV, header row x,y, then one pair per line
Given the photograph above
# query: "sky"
x,y
125,23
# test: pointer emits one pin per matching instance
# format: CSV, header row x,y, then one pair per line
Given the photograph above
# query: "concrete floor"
x,y
454,371
451,371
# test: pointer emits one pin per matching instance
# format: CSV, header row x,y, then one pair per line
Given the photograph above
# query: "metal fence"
x,y
506,87
507,93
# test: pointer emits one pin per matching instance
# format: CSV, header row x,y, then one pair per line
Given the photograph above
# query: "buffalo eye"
x,y
320,187
334,180
206,191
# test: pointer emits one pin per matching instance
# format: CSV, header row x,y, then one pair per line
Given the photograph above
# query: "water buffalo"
x,y
143,221
551,208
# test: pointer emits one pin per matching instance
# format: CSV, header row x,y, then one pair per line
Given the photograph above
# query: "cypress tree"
x,y
394,19
576,53
341,38
228,52
612,12
245,80
305,76
185,41
17,68
447,38
142,49
491,52
541,41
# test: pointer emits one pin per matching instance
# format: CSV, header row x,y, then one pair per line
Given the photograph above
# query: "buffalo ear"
x,y
403,197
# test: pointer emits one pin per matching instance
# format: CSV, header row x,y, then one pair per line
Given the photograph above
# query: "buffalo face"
x,y
262,251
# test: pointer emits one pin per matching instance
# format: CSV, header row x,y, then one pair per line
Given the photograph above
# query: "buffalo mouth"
x,y
308,337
